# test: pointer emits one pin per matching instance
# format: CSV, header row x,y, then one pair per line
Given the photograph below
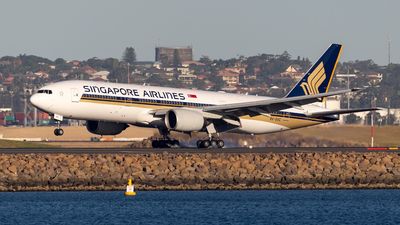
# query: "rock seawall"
x,y
199,171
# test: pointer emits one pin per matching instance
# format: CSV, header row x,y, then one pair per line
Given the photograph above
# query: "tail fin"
x,y
319,77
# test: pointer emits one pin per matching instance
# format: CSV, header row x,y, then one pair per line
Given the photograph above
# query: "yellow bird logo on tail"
x,y
317,77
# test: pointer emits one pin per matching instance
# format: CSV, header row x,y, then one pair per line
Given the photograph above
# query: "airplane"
x,y
110,108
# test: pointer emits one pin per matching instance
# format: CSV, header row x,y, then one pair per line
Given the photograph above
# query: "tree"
x,y
157,79
205,59
61,65
218,83
377,118
285,56
129,55
352,119
199,84
60,61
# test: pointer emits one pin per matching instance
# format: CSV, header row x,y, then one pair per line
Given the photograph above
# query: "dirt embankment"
x,y
199,171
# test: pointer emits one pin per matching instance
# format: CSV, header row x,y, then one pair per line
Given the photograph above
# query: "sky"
x,y
77,29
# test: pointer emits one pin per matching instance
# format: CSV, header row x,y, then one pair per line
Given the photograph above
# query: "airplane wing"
x,y
269,106
340,111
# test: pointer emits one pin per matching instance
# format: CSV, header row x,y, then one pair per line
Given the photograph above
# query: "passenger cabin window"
x,y
49,92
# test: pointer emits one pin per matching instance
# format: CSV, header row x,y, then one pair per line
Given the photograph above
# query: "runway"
x,y
193,150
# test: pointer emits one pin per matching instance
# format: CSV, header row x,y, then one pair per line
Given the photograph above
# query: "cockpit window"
x,y
45,91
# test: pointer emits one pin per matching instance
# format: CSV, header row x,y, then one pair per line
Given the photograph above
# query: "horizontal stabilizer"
x,y
340,111
273,105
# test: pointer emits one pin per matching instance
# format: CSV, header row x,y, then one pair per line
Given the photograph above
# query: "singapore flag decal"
x,y
192,96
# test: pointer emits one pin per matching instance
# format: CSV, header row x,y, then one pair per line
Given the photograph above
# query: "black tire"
x,y
206,144
174,144
163,144
155,143
213,143
58,132
220,144
199,143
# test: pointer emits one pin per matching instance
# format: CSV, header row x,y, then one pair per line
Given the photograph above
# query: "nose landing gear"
x,y
58,131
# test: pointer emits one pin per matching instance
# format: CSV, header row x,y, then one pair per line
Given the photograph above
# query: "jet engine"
x,y
184,120
105,128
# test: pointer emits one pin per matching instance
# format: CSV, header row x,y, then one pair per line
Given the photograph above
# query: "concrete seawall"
x,y
199,171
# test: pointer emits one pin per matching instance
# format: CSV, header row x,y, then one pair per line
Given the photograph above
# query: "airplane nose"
x,y
41,101
34,99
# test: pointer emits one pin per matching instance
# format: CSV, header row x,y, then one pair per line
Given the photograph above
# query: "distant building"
x,y
375,77
9,80
183,70
144,64
63,74
165,55
230,77
202,77
249,77
187,78
293,71
188,63
100,75
157,65
41,74
74,62
240,70
169,71
88,70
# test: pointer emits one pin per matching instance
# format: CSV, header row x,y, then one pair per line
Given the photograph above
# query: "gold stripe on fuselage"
x,y
283,120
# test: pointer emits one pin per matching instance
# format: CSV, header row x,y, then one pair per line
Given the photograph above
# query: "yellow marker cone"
x,y
130,189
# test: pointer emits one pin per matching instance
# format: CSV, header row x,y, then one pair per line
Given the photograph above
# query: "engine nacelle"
x,y
184,120
105,128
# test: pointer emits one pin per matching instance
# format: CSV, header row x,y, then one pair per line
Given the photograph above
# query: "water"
x,y
203,207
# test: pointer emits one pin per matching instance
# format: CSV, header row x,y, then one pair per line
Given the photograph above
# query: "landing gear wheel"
x,y
174,144
58,132
220,144
206,144
213,143
199,143
165,144
155,144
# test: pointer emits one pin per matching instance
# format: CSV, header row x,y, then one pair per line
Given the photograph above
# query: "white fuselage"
x,y
133,104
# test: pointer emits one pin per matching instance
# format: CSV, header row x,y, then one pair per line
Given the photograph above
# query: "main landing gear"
x,y
166,141
213,143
